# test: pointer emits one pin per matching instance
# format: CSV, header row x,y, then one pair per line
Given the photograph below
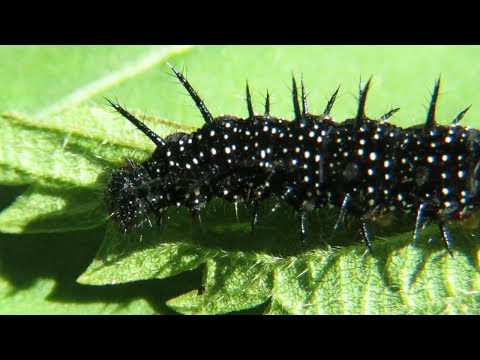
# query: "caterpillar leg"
x,y
255,215
343,211
303,226
235,205
419,223
195,216
159,218
366,236
445,234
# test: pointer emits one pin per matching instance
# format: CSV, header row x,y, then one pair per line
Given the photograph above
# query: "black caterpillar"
x,y
364,166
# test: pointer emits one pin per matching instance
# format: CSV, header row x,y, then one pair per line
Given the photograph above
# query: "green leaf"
x,y
63,143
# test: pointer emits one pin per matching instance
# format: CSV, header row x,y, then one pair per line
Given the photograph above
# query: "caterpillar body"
x,y
363,166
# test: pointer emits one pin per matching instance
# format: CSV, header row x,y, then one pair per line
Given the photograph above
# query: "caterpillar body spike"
x,y
296,104
157,140
193,94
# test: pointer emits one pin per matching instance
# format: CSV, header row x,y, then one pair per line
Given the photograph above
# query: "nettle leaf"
x,y
65,152
246,271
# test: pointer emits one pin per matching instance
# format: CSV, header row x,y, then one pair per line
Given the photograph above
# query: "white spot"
x,y
234,147
430,159
225,192
306,178
227,125
371,202
373,156
189,140
245,147
317,158
319,139
433,145
212,132
448,139
294,161
274,130
197,191
300,137
370,172
225,136
447,204
182,148
247,133
311,134
444,175
188,166
461,174
404,160
387,176
171,163
376,137
370,189
263,154
306,154
297,149
399,197
201,154
445,191
213,151
169,153
195,161
444,157
362,142
228,150
386,163
339,140
360,152
265,128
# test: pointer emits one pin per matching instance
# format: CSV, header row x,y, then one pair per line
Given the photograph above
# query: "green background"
x,y
38,272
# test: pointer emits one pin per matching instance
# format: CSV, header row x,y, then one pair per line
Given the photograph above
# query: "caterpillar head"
x,y
127,197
